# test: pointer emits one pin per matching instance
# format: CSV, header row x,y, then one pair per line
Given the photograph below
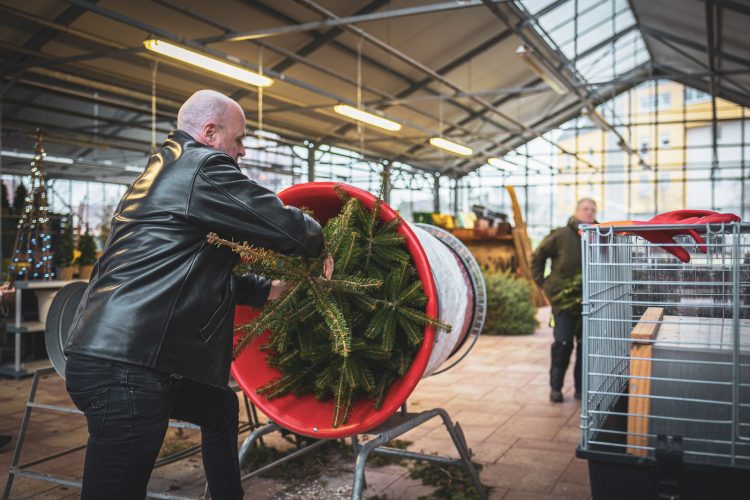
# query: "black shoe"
x,y
577,395
555,396
5,440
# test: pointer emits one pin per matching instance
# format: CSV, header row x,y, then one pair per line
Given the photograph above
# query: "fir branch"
x,y
339,331
266,319
352,284
342,399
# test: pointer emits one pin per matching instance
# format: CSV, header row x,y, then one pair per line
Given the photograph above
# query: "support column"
x,y
311,149
1,179
455,197
436,193
387,182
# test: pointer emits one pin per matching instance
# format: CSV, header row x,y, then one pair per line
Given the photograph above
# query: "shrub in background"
x,y
87,247
65,247
510,309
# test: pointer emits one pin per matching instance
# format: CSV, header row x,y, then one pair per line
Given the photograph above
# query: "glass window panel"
x,y
597,21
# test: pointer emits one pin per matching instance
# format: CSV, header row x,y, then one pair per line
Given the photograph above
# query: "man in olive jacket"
x,y
152,337
563,247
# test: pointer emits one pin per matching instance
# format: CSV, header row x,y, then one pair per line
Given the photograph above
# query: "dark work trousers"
x,y
567,327
127,410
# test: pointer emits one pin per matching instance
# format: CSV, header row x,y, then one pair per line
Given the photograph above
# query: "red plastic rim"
x,y
306,415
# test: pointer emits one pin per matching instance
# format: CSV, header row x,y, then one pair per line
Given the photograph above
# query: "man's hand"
x,y
278,289
328,267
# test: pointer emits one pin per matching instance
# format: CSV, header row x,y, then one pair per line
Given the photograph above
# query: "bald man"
x,y
152,337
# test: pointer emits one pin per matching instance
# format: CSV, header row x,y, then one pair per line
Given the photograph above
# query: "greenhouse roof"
x,y
489,74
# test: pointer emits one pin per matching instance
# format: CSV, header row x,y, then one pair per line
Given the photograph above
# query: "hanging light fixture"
x,y
450,146
208,63
502,164
537,66
368,118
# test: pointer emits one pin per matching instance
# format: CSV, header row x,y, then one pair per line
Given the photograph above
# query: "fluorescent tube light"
x,y
31,156
451,146
207,63
502,164
368,118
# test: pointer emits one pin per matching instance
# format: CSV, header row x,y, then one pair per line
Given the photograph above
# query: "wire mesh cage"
x,y
666,344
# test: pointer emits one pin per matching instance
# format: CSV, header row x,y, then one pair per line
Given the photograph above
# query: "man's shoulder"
x,y
197,153
555,232
201,155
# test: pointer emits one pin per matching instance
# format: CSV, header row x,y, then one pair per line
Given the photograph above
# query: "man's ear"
x,y
209,133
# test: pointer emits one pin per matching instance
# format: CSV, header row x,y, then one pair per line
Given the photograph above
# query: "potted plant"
x,y
63,258
87,259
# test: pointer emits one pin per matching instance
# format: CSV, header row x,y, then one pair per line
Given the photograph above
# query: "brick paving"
x,y
498,394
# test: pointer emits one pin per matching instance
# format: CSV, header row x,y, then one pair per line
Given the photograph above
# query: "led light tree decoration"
x,y
32,253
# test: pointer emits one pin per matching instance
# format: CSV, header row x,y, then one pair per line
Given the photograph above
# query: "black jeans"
x,y
567,327
127,410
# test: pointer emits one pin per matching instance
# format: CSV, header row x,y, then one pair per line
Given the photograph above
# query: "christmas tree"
x,y
348,337
32,255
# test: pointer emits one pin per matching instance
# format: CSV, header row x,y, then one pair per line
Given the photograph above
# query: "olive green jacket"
x,y
563,246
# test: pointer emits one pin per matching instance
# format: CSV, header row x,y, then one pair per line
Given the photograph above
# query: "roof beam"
x,y
320,38
692,44
697,81
739,7
36,42
559,65
297,58
360,18
681,48
421,84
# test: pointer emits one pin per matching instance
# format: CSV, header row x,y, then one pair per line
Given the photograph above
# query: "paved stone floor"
x,y
498,394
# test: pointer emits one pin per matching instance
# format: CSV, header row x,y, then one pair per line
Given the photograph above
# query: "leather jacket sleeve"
x,y
225,201
251,290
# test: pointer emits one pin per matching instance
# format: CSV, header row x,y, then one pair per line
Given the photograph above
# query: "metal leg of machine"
x,y
400,424
397,425
256,435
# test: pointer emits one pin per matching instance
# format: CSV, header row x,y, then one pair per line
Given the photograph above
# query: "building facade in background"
x,y
670,127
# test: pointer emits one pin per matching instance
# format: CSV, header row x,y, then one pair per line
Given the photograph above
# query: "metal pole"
x,y
363,18
17,349
737,340
387,182
455,197
434,74
712,87
436,193
656,147
312,148
1,180
684,147
743,203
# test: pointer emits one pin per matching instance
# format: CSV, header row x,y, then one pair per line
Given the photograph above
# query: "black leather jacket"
x,y
160,296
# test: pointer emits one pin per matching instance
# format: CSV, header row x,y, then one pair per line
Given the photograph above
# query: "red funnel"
x,y
306,415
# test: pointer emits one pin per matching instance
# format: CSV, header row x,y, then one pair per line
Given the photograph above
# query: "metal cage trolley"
x,y
666,362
